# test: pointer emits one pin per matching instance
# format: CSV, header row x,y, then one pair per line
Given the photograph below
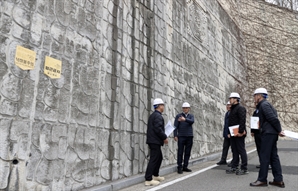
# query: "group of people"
x,y
156,138
266,137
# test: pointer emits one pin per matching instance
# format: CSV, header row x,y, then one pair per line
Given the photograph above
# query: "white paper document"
x,y
169,128
254,122
234,130
291,134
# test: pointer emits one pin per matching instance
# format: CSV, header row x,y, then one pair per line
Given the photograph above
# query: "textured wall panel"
x,y
89,126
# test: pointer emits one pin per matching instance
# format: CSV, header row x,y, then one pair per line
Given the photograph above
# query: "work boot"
x,y
231,171
180,171
186,169
241,172
221,163
158,178
151,183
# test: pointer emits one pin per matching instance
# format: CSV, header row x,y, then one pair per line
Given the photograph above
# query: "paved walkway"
x,y
207,175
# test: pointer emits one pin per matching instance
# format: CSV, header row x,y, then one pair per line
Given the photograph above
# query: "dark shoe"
x,y
231,171
241,172
221,163
180,171
258,183
230,165
279,184
186,170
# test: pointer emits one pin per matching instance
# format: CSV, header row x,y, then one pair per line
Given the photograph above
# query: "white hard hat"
x,y
158,101
185,104
228,103
234,95
261,91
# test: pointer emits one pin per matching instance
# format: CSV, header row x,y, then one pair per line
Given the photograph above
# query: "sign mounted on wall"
x,y
52,67
25,58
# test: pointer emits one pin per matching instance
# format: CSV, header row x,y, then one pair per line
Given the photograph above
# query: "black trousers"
x,y
225,149
154,161
238,148
184,146
268,155
257,137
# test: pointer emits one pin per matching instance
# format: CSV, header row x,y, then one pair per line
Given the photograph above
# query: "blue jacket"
x,y
156,129
184,128
269,122
226,130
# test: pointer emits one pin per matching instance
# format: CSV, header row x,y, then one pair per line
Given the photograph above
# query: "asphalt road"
x,y
207,176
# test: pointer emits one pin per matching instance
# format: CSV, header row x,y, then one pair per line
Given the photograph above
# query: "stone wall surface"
x,y
270,36
89,126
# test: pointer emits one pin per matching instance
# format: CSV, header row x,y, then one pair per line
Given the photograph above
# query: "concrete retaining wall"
x,y
88,127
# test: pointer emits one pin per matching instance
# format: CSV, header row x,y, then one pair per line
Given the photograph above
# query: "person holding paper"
x,y
226,134
156,138
237,117
270,129
255,133
184,135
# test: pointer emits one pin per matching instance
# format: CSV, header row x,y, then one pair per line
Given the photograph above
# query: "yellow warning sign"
x,y
25,58
52,67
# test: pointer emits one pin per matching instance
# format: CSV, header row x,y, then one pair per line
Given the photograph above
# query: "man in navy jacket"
x,y
270,129
184,135
226,134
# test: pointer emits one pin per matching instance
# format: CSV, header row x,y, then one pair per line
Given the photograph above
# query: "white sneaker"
x,y
151,183
158,178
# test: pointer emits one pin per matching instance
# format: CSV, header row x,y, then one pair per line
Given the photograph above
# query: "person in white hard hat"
x,y
156,138
238,117
227,141
270,129
255,133
183,134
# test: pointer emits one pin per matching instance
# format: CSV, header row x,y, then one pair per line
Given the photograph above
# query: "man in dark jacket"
x,y
270,128
156,138
184,135
255,133
238,117
226,135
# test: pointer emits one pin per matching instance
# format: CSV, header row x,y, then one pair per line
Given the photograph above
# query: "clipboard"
x,y
254,122
234,130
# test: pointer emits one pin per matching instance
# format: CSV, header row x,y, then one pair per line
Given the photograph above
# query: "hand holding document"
x,y
254,122
291,134
234,130
169,128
